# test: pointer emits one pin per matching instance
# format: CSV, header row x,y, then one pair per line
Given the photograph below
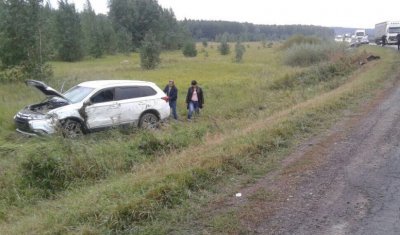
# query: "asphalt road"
x,y
357,190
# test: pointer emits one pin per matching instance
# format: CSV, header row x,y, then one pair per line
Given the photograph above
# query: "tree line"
x,y
32,32
214,30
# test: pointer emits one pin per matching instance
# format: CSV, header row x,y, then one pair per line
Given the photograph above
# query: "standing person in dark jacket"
x,y
383,40
398,41
194,99
172,92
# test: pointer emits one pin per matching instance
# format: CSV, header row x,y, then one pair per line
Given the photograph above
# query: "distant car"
x,y
348,38
339,38
93,105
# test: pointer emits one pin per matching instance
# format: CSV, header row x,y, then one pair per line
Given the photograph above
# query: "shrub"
x,y
12,75
26,71
205,43
319,73
300,39
189,49
308,54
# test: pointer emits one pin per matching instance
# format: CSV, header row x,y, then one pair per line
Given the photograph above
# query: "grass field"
x,y
158,182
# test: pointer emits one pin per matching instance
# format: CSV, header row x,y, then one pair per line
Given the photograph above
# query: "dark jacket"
x,y
199,95
383,40
173,94
398,38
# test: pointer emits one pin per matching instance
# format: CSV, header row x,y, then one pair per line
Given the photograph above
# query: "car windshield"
x,y
360,33
77,93
394,30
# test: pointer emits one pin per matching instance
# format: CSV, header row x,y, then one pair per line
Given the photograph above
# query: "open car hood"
x,y
45,89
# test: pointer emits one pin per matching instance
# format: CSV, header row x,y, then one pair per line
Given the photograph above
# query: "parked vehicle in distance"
x,y
347,38
93,105
361,37
339,38
388,28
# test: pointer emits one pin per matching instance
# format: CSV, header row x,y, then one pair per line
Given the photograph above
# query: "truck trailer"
x,y
389,29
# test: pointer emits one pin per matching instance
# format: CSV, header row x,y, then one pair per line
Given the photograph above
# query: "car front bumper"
x,y
35,127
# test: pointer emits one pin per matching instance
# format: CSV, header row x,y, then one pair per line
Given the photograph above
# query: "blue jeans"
x,y
193,107
172,105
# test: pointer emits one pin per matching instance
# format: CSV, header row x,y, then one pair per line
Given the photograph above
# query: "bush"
x,y
189,49
316,74
308,54
23,72
300,39
205,43
13,74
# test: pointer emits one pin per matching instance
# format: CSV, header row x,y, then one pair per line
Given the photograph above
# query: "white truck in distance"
x,y
360,36
388,28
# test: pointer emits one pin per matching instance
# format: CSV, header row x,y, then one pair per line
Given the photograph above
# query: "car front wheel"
x,y
72,129
148,121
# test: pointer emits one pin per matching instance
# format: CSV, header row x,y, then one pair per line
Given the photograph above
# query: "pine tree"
x,y
107,34
189,49
69,32
93,43
150,52
239,52
224,46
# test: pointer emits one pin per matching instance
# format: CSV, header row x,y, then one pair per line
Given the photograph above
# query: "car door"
x,y
103,110
134,100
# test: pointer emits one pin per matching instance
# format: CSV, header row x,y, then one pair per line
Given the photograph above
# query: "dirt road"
x,y
352,185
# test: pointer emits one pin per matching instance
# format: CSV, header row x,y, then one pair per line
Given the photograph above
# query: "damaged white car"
x,y
92,106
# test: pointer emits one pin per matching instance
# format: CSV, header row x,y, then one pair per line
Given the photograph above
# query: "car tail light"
x,y
165,98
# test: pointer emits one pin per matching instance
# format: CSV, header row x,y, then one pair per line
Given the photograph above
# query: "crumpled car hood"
x,y
45,89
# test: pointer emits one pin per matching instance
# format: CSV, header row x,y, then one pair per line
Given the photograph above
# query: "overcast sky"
x,y
343,13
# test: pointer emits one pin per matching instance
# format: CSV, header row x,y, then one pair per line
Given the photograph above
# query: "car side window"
x,y
103,96
146,91
123,93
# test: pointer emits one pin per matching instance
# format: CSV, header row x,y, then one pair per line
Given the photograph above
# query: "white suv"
x,y
92,106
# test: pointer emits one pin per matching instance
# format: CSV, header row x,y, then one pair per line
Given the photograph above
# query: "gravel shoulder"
x,y
346,181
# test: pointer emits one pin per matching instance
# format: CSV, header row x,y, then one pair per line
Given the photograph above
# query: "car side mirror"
x,y
87,103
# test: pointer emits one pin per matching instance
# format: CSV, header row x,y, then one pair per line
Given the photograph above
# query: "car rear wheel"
x,y
149,121
72,129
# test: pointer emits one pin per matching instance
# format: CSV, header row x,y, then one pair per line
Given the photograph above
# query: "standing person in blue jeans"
x,y
194,99
172,92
